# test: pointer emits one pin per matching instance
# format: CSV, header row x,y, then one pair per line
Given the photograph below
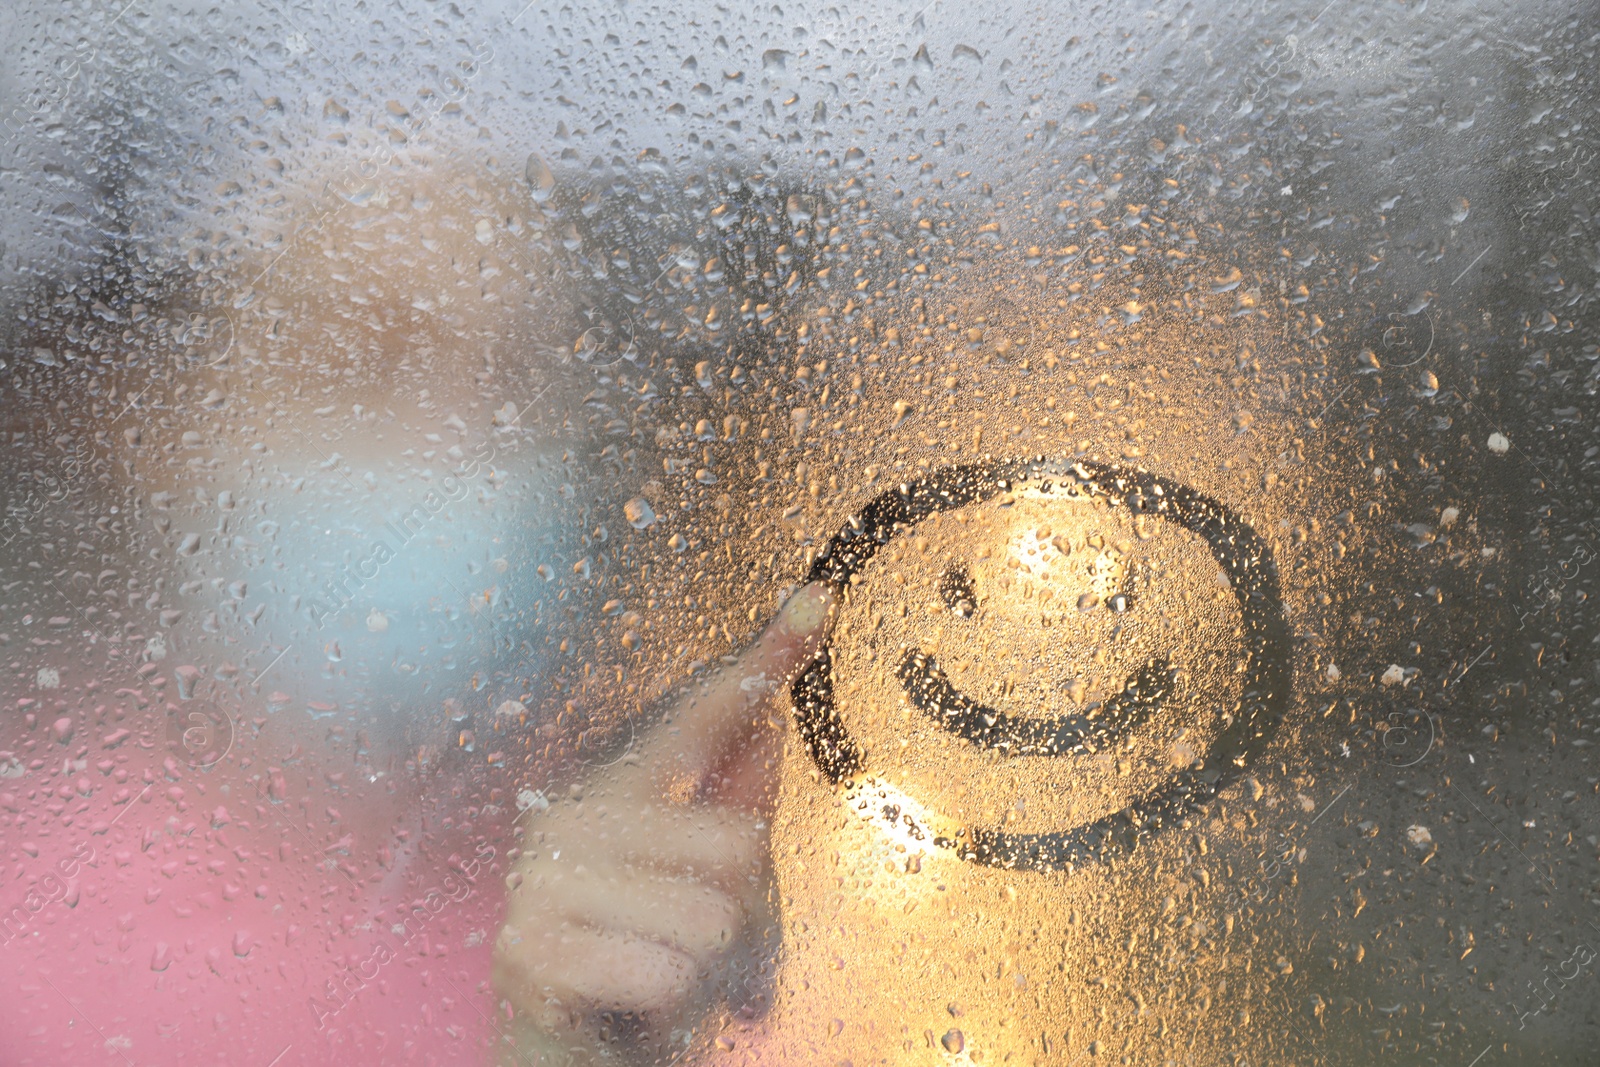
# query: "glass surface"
x,y
799,533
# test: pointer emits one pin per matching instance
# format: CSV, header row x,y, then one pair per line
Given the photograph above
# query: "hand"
x,y
644,899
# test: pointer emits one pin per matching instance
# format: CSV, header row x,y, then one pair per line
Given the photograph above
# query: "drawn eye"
x,y
955,589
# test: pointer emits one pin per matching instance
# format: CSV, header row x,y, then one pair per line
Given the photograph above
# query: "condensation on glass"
x,y
414,411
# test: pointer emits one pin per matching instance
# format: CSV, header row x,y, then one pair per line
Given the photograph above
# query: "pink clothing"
x,y
162,922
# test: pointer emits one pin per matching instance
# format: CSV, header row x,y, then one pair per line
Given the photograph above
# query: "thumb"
x,y
710,723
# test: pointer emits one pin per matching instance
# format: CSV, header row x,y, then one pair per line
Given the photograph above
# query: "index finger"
x,y
726,711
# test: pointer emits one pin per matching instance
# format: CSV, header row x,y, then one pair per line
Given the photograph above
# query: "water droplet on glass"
x,y
541,179
639,513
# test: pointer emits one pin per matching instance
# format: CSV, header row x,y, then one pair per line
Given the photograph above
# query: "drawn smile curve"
x,y
1100,727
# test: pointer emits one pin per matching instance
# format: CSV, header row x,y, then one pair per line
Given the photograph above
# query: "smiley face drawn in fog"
x,y
1245,724
930,691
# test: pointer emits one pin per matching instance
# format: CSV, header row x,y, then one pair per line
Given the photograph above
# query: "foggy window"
x,y
622,533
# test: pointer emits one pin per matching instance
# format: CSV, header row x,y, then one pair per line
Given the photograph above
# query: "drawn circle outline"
x,y
1244,557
